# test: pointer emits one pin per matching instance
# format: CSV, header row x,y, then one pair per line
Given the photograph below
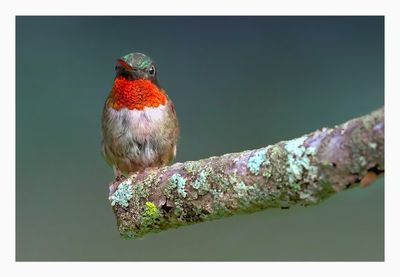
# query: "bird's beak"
x,y
125,65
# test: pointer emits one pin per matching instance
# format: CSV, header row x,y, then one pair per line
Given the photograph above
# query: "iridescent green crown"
x,y
137,60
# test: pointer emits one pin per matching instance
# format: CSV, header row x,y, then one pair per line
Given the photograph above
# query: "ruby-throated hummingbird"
x,y
139,123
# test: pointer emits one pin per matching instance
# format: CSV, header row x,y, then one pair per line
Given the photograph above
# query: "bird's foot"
x,y
120,178
112,187
150,168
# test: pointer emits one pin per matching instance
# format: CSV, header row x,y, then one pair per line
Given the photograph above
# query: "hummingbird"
x,y
139,123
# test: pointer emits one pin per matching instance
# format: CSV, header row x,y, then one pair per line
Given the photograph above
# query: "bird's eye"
x,y
152,70
117,67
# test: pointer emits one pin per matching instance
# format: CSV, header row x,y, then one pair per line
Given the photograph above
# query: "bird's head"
x,y
135,84
136,66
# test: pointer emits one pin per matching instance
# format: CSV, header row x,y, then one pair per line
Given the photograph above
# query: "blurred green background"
x,y
238,83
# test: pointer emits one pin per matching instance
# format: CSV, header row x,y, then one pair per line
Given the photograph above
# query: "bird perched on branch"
x,y
139,123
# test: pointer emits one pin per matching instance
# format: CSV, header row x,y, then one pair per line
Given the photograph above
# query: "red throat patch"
x,y
135,94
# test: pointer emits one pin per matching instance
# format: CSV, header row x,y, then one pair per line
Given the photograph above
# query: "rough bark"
x,y
301,171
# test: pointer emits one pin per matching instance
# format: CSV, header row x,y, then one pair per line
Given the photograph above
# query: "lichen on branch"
x,y
301,171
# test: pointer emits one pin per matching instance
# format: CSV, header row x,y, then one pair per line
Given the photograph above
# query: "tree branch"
x,y
299,171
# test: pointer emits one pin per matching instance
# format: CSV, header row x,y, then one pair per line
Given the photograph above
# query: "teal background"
x,y
237,83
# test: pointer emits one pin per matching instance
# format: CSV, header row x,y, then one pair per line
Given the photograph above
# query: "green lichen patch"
x,y
304,195
151,210
122,195
325,163
178,211
276,169
178,182
325,190
189,167
255,161
233,179
139,191
241,189
372,145
295,186
362,161
299,163
219,209
311,150
275,152
128,234
267,174
296,164
176,192
150,215
127,231
200,181
150,179
245,195
295,147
